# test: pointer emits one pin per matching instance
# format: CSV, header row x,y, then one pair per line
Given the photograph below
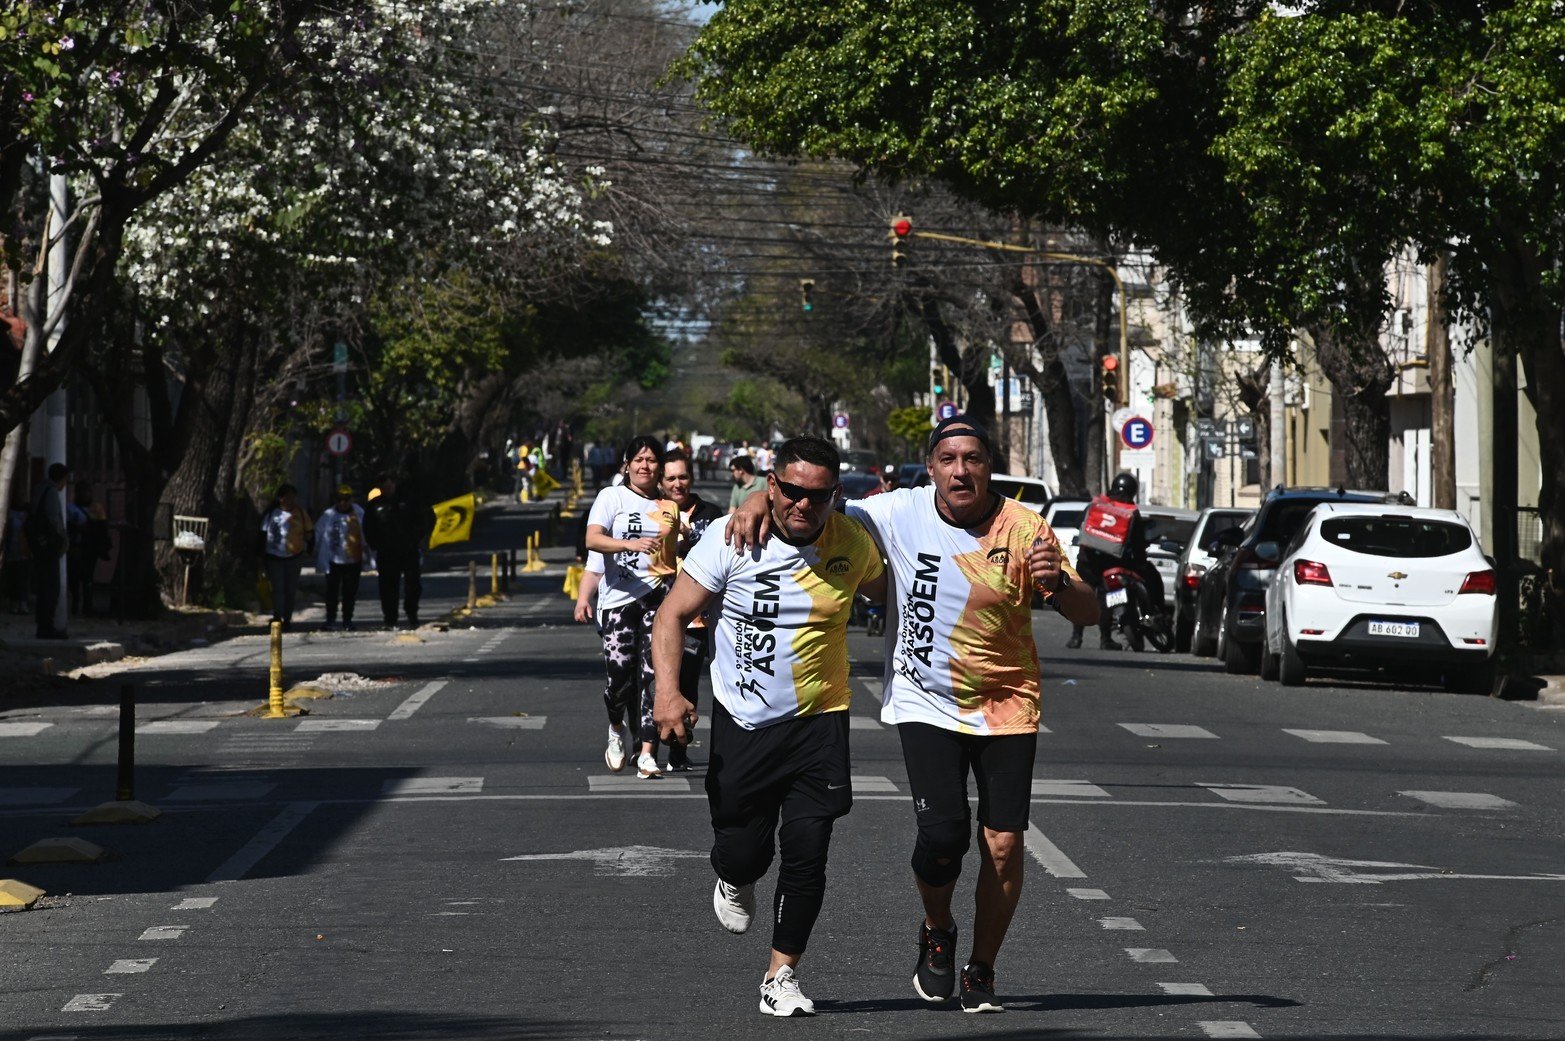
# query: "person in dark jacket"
x,y
49,541
396,526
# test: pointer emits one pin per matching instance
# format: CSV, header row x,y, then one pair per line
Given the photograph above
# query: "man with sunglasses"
x,y
778,772
962,684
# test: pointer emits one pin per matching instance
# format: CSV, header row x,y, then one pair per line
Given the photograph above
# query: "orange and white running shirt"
x,y
960,652
780,642
627,577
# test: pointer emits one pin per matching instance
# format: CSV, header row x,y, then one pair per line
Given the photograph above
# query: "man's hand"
x,y
673,715
1045,563
749,525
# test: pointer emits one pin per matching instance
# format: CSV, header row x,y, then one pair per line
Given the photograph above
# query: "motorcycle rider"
x,y
1091,563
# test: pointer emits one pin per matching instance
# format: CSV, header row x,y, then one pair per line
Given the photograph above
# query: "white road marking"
x,y
1067,789
535,607
35,796
415,701
1168,730
130,965
177,726
1126,924
431,785
326,725
235,867
90,1003
1514,744
1319,868
1263,793
1193,990
1461,800
1088,894
864,723
866,784
25,730
874,686
660,786
1053,859
1043,729
218,792
1150,955
1334,737
194,903
511,722
1227,1028
469,661
164,932
625,861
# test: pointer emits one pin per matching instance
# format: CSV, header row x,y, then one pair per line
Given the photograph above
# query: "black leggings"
x,y
794,773
627,655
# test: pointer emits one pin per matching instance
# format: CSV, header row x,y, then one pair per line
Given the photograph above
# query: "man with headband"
x,y
962,684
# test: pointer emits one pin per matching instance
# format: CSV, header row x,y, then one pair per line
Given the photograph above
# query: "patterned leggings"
x,y
627,652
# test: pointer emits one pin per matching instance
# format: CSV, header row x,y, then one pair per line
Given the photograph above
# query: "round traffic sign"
x,y
840,421
339,442
1137,432
945,410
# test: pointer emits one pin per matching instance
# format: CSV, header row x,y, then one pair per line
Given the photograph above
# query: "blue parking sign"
x,y
945,410
1137,432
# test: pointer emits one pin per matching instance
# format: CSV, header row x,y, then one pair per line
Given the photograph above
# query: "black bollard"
x,y
126,783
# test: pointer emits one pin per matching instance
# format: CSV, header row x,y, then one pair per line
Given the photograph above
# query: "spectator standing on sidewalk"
x,y
742,469
90,544
340,555
48,538
396,527
286,531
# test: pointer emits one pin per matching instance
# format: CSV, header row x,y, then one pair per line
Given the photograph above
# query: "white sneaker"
x,y
614,755
735,905
647,767
780,995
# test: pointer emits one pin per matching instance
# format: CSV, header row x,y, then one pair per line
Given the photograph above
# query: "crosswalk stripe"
x,y
1515,744
1088,894
23,729
1334,737
431,785
1226,1028
1067,789
864,723
866,785
511,722
176,726
417,699
1193,990
1126,924
660,786
90,1003
1461,800
1150,955
1168,730
326,725
1263,793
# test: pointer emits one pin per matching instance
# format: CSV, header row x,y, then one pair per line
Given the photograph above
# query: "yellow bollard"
x,y
534,559
494,574
276,709
472,585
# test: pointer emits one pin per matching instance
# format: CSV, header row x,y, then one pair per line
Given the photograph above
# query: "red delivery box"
x,y
1106,527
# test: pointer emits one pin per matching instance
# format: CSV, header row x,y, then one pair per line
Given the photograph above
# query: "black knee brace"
x,y
937,855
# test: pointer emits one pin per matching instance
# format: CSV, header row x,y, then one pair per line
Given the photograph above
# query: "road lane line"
x,y
194,903
1192,990
431,785
90,1003
321,726
1514,744
1053,859
1169,730
1263,793
1227,1028
164,932
1126,924
413,703
1334,737
1150,955
1461,800
511,722
264,842
865,784
1088,894
129,965
1068,789
24,730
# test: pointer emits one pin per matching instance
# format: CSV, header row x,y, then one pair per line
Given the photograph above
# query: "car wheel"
x,y
1470,679
1237,658
1268,660
1201,645
1183,633
1290,669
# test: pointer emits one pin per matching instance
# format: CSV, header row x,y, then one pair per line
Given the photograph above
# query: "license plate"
x,y
1117,597
1393,629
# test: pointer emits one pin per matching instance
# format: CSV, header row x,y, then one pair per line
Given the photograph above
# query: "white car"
x,y
1367,584
1029,491
1064,516
1168,533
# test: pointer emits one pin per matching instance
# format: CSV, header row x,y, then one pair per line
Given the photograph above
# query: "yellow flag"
x,y
453,520
543,484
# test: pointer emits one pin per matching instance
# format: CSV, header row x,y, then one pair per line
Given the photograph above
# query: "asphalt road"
x,y
444,854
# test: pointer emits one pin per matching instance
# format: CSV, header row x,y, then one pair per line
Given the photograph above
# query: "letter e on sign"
x,y
1137,432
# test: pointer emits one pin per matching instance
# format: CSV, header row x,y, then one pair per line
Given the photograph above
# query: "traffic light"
x,y
937,380
901,228
807,294
1110,373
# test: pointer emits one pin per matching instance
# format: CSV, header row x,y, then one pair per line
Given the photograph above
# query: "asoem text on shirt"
x,y
778,649
961,653
629,576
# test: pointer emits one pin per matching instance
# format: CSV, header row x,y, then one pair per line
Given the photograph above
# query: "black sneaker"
x,y
1109,645
1074,642
978,989
936,975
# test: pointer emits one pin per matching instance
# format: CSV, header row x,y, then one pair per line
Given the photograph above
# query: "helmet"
x,y
1124,487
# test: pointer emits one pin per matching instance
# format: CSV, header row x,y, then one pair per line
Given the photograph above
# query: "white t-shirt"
x,y
780,646
627,577
960,652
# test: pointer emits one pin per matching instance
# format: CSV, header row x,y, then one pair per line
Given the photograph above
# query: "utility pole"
x,y
1277,456
59,272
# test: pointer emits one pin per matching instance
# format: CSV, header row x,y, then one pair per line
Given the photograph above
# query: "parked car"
x,y
860,460
913,475
1029,491
721,454
1231,609
1064,516
856,485
1193,564
1168,532
1371,585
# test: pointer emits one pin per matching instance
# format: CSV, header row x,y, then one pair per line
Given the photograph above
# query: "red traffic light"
x,y
901,227
1110,363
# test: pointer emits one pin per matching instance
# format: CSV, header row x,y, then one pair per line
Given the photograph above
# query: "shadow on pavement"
x,y
1059,1002
308,1026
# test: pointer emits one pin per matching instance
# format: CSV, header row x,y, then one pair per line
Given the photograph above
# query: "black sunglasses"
x,y
797,492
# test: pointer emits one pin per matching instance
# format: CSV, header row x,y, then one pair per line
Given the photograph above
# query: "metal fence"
x,y
1529,534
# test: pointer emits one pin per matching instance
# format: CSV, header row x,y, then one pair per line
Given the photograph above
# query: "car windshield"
x,y
1021,491
1067,518
1283,520
1221,520
1396,536
1179,529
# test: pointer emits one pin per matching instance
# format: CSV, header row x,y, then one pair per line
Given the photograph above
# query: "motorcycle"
x,y
1123,598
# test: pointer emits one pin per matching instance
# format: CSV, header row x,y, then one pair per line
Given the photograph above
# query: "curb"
x,y
1553,690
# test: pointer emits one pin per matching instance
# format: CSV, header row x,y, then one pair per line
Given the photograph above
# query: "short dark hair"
x,y
676,456
742,462
816,451
58,471
639,442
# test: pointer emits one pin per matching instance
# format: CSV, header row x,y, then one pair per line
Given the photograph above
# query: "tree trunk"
x,y
1042,365
1099,461
16,439
970,366
1442,390
1360,374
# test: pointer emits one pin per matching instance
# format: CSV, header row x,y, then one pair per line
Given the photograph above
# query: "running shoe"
x,y
978,989
614,755
735,905
935,977
780,995
647,767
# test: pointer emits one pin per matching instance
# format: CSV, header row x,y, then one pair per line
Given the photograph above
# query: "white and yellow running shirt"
x,y
627,577
960,652
780,646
